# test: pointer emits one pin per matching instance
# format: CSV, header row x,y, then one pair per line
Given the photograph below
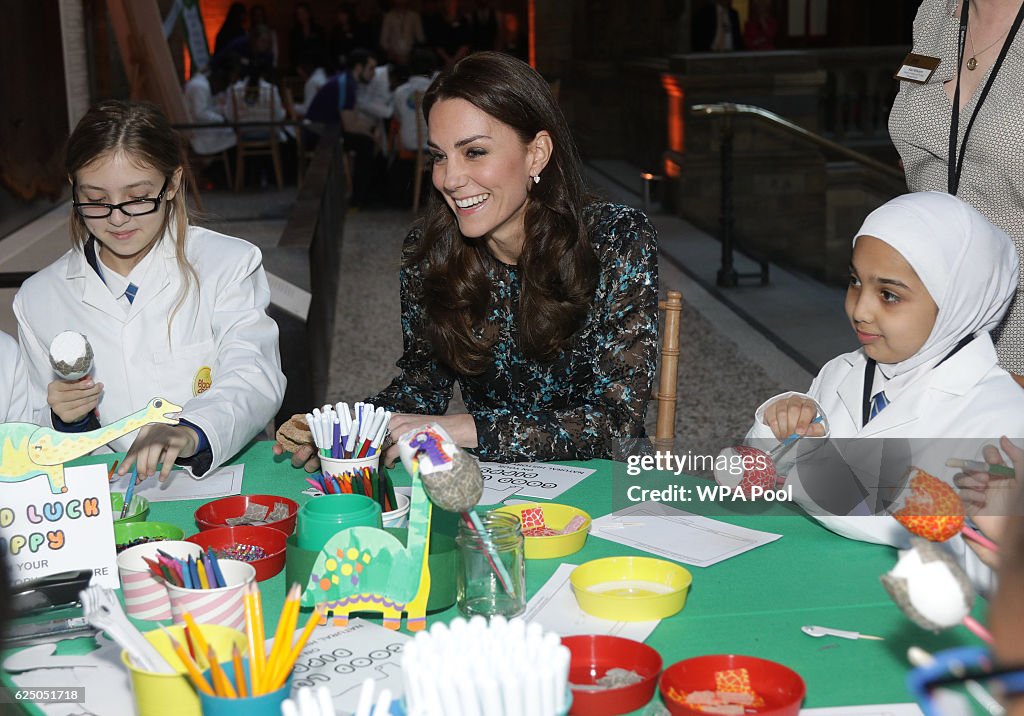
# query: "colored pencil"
x,y
129,492
260,637
221,684
236,662
250,633
193,632
289,662
285,629
215,563
196,676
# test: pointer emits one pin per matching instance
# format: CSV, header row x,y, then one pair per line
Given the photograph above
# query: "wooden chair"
x,y
665,395
256,104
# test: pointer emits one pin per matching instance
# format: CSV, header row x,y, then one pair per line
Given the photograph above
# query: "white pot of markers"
x,y
349,436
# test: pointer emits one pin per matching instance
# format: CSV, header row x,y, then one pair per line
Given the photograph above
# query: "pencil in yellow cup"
x,y
285,628
198,680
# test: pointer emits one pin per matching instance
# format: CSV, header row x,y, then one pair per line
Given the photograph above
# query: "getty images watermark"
x,y
728,468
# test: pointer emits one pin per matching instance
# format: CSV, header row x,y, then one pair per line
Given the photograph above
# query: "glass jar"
x,y
480,577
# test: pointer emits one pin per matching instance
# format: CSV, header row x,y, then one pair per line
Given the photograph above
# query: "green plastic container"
x,y
138,511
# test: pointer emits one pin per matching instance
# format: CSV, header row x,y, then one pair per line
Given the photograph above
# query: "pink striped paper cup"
x,y
145,597
224,606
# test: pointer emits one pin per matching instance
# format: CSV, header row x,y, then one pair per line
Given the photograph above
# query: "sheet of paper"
x,y
100,674
528,479
554,607
872,710
341,658
180,485
677,535
45,533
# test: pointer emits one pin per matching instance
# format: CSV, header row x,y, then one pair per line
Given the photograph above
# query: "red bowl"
x,y
592,656
213,514
272,541
781,688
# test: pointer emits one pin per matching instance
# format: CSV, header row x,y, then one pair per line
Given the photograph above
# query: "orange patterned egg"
x,y
933,510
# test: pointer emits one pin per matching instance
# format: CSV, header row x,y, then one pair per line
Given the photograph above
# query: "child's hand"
x,y
159,445
989,499
794,414
72,401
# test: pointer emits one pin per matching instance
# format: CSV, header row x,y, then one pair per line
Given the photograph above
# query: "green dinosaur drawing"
x,y
27,450
365,569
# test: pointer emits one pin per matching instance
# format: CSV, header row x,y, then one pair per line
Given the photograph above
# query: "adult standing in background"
x,y
307,42
716,28
971,105
232,29
401,28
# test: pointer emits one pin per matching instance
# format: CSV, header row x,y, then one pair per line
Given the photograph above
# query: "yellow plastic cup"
x,y
161,694
556,517
630,589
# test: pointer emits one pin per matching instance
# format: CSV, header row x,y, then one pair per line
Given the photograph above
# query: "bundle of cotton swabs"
x,y
343,435
505,668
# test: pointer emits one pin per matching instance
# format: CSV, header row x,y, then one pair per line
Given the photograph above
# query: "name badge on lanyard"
x,y
917,68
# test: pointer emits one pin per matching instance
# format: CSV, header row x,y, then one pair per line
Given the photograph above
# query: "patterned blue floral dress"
x,y
585,403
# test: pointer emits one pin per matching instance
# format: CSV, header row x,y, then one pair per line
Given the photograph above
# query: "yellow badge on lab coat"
x,y
203,380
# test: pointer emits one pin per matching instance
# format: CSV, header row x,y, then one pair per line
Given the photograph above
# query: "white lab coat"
x,y
222,325
14,398
202,109
953,410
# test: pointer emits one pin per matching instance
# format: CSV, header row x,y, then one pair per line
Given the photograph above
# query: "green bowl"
x,y
137,511
127,531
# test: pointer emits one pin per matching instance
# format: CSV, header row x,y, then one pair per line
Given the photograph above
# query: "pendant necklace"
x,y
972,63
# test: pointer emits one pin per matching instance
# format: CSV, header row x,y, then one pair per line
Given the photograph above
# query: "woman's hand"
x,y
305,457
989,499
794,414
72,401
159,445
462,428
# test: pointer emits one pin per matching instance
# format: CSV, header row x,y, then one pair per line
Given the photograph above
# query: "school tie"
x,y
132,289
878,403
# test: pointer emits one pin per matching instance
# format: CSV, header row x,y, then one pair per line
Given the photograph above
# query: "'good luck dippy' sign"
x,y
42,533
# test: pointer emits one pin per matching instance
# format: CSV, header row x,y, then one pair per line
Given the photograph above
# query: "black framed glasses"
x,y
135,207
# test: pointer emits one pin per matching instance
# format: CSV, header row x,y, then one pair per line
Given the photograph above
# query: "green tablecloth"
x,y
752,604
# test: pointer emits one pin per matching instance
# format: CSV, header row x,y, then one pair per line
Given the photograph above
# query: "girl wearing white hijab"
x,y
929,278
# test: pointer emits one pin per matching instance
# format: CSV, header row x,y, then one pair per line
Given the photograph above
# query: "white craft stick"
x,y
324,701
307,703
491,695
383,705
365,702
288,708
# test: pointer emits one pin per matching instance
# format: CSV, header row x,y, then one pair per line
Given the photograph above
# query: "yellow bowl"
x,y
556,517
630,589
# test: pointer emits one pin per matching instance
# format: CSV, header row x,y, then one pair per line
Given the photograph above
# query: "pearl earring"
x,y
536,178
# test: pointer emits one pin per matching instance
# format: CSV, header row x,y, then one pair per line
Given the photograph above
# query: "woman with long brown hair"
x,y
170,309
538,300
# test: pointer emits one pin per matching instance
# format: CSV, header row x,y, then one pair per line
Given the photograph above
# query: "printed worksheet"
x,y
179,485
681,536
528,479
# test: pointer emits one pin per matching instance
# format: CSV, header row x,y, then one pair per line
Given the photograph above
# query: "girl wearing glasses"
x,y
171,310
